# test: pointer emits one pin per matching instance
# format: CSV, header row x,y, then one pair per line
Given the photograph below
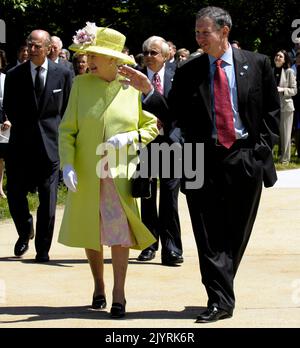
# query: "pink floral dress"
x,y
114,226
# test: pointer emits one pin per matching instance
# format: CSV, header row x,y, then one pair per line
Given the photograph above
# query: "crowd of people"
x,y
59,108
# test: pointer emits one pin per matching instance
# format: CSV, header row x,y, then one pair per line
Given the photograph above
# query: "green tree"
x,y
263,25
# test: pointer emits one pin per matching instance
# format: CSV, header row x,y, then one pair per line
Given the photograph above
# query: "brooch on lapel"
x,y
242,72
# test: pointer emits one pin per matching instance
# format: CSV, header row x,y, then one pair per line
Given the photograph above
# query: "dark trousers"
x,y
19,183
222,213
164,221
297,130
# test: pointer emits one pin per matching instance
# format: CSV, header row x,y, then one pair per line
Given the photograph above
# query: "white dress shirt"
x,y
43,71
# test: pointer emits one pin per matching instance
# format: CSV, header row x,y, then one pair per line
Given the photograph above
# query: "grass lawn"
x,y
33,201
295,161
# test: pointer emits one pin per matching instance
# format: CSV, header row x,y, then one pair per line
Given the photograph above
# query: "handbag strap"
x,y
138,150
139,146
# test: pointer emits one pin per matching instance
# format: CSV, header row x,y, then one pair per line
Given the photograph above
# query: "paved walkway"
x,y
58,294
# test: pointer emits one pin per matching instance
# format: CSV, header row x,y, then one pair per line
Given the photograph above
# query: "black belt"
x,y
238,144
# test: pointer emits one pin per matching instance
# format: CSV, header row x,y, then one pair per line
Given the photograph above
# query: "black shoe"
x,y
146,255
21,247
171,258
213,313
41,258
99,302
117,310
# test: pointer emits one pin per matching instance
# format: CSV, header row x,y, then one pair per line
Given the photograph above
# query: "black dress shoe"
x,y
21,247
146,255
117,310
213,313
99,302
41,258
171,258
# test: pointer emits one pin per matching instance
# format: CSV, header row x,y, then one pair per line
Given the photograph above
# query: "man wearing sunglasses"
x,y
164,221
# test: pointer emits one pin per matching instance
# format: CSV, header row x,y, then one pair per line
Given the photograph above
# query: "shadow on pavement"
x,y
85,312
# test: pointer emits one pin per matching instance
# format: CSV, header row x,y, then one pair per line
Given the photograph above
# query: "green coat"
x,y
96,111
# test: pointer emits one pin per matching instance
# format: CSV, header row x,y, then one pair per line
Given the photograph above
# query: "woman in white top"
x,y
287,88
5,124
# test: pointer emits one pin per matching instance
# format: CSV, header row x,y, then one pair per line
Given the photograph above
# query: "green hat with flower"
x,y
99,40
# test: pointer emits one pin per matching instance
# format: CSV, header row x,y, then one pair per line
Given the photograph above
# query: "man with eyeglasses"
x,y
162,221
35,98
226,99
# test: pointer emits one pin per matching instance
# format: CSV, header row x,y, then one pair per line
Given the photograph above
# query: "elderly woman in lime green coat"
x,y
101,109
87,123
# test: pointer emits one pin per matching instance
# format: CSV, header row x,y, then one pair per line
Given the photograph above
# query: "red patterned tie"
x,y
157,85
223,108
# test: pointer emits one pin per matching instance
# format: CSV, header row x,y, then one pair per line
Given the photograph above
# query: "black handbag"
x,y
140,187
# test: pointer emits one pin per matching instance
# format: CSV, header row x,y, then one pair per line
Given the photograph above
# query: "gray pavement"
x,y
58,294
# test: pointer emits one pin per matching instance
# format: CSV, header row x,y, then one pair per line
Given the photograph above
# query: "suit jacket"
x,y
68,65
289,83
171,65
189,103
296,98
171,132
35,125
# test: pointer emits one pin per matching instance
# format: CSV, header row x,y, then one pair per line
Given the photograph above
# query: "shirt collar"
x,y
44,65
161,73
227,57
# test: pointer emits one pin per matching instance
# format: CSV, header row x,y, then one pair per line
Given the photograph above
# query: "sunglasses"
x,y
152,53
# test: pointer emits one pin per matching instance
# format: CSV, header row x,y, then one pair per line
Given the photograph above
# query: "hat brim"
x,y
105,51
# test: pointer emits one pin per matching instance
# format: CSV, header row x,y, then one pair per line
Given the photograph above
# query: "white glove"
x,y
121,139
70,177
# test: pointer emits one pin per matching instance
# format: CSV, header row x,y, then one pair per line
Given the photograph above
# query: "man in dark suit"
x,y
22,57
55,50
35,97
292,54
162,222
238,133
171,62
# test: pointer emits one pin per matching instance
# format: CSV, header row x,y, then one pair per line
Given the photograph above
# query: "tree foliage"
x,y
263,25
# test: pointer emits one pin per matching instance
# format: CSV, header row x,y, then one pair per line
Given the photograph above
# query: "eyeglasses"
x,y
152,53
